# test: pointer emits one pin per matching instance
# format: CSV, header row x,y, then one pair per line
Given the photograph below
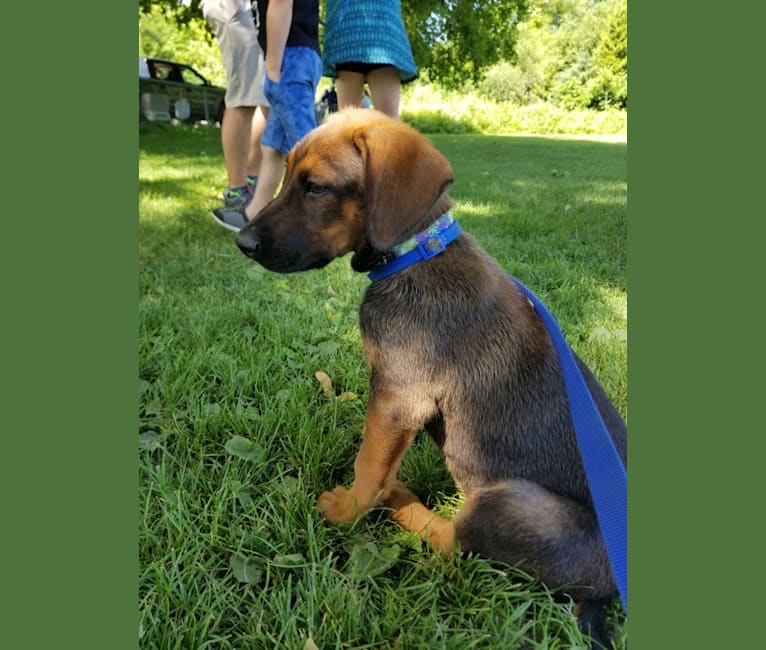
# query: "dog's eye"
x,y
315,189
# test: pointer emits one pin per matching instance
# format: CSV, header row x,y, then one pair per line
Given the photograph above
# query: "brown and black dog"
x,y
452,347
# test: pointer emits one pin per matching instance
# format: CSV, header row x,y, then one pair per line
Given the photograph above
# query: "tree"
x,y
454,41
572,53
611,56
183,10
161,34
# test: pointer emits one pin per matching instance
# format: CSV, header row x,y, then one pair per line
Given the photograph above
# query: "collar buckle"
x,y
431,247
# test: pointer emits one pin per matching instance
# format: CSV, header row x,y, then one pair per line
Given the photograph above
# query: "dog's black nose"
x,y
249,242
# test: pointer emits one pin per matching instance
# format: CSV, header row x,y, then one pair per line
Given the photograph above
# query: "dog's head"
x,y
361,182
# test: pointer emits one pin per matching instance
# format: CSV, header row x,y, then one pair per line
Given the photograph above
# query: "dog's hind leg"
x,y
553,537
408,511
523,524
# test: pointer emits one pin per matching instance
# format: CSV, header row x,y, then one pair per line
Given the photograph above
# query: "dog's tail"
x,y
591,617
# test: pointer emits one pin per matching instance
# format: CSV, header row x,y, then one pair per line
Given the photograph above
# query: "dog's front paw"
x,y
338,506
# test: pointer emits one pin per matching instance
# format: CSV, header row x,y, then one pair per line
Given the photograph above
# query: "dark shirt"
x,y
304,30
331,97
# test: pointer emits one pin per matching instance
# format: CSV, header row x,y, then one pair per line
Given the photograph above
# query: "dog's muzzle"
x,y
249,242
290,257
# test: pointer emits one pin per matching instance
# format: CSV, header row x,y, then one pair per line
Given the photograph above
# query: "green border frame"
x,y
696,483
69,341
69,470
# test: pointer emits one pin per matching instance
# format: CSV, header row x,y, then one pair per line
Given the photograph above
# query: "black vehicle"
x,y
168,90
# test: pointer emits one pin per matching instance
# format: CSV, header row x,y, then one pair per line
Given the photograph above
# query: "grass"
x,y
237,437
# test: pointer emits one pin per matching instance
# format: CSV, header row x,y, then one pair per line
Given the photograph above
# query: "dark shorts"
x,y
361,68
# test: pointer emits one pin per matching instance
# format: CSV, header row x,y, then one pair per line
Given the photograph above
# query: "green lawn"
x,y
237,437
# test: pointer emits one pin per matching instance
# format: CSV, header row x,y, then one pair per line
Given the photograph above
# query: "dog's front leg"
x,y
386,439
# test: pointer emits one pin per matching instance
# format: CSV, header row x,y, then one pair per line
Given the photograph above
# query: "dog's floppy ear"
x,y
405,175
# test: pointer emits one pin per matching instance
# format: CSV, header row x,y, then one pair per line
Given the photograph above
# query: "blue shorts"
x,y
292,115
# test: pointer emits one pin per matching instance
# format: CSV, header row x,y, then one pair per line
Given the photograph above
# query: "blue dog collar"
x,y
423,246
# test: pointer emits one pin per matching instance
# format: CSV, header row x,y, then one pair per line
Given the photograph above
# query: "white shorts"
x,y
242,56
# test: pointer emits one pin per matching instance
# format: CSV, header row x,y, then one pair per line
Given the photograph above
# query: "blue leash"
x,y
607,478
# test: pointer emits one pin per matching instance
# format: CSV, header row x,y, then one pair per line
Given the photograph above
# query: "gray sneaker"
x,y
233,220
237,198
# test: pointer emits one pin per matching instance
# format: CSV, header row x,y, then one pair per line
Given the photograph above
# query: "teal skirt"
x,y
366,31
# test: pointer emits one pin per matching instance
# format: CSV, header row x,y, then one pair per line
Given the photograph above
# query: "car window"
x,y
160,70
191,77
165,71
143,69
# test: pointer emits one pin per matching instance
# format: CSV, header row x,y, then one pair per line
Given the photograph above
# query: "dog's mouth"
x,y
280,260
367,258
289,264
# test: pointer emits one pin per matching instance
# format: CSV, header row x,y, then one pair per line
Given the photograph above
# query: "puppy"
x,y
452,347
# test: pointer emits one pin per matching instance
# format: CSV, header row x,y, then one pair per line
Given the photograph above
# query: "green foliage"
x,y
571,53
161,34
183,10
506,82
611,55
454,42
435,110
